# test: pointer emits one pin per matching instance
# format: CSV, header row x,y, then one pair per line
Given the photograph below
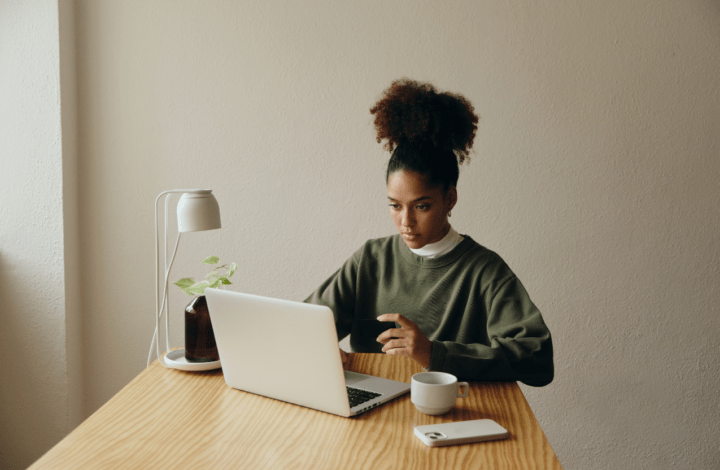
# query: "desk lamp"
x,y
197,211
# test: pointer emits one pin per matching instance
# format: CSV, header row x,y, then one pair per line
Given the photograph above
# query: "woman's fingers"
x,y
397,318
407,341
406,325
344,357
387,335
395,344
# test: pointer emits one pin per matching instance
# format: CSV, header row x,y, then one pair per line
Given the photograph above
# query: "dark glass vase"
x,y
199,336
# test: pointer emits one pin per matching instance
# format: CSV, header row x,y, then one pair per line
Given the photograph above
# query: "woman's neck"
x,y
445,245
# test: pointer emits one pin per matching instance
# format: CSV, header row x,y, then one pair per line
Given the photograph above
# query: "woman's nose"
x,y
407,219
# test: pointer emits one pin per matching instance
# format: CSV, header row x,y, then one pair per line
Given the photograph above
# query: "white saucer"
x,y
176,360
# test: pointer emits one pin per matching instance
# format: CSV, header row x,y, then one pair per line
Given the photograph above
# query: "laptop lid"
x,y
280,349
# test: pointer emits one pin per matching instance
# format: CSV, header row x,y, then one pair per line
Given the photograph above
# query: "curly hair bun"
x,y
415,113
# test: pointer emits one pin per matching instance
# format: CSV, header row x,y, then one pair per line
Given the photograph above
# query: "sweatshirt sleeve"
x,y
338,293
520,345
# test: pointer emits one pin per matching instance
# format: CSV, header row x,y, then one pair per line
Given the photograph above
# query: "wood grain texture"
x,y
175,419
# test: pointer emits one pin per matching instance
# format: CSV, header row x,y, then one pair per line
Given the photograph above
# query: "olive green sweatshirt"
x,y
480,319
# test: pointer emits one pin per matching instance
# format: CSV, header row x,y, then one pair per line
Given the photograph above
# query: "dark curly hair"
x,y
426,131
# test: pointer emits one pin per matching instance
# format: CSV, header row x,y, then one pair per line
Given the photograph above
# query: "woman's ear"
x,y
451,197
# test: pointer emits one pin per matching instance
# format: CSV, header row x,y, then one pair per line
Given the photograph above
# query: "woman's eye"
x,y
423,207
394,206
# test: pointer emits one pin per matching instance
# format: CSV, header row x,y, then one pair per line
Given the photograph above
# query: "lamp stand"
x,y
172,359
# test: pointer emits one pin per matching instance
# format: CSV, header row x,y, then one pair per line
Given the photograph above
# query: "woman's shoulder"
x,y
484,258
474,249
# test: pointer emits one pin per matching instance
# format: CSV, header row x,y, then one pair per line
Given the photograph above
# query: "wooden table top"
x,y
175,419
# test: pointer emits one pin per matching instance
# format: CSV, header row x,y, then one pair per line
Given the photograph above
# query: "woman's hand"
x,y
344,357
406,341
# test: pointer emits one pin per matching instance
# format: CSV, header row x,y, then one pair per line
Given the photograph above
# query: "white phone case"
x,y
460,432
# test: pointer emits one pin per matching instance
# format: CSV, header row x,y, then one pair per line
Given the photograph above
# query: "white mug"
x,y
434,393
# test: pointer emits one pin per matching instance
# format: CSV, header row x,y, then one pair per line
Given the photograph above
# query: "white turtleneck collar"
x,y
433,250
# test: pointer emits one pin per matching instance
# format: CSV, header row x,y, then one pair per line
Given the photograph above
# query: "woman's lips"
x,y
410,236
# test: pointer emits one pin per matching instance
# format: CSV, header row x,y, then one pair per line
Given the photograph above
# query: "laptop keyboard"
x,y
358,397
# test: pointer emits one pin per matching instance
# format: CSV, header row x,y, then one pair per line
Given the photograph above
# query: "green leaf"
x,y
199,288
231,269
188,291
184,283
213,279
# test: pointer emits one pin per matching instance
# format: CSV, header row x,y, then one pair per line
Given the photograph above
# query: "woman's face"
x,y
420,211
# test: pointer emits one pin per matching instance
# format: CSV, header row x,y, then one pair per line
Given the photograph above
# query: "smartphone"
x,y
366,332
373,328
460,432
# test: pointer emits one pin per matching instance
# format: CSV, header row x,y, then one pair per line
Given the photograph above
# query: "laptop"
x,y
289,351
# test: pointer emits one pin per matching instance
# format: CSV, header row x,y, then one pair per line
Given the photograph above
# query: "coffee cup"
x,y
434,393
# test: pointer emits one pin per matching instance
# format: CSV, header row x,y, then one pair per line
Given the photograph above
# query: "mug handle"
x,y
467,389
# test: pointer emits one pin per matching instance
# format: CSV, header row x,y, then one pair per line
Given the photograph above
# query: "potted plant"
x,y
199,336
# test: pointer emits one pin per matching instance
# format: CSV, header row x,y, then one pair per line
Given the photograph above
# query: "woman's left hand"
x,y
406,341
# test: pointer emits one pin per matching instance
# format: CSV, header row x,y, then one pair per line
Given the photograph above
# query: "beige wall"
x,y
41,389
595,176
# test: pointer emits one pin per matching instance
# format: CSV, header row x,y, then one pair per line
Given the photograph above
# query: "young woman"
x,y
456,305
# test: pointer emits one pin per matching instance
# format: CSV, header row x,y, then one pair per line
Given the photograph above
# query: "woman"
x,y
456,305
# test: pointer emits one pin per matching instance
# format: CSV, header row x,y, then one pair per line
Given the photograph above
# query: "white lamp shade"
x,y
198,211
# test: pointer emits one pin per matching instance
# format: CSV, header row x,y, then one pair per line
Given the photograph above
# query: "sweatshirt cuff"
x,y
437,356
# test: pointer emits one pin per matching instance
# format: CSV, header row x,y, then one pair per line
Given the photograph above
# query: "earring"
x,y
449,213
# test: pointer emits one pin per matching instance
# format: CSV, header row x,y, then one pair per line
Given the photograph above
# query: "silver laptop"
x,y
289,351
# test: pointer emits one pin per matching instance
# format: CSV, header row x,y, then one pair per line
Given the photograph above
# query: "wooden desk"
x,y
174,419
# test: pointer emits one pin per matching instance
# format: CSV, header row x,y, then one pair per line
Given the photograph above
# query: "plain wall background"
x,y
41,387
595,175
